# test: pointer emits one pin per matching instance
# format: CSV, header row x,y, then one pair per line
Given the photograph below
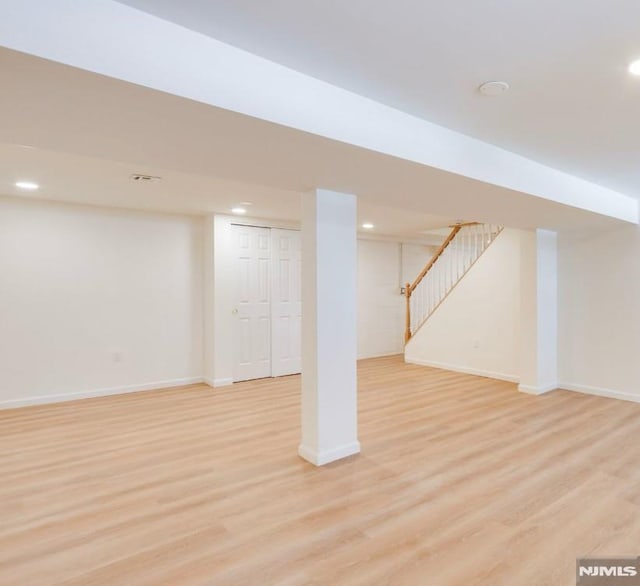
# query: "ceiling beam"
x,y
115,40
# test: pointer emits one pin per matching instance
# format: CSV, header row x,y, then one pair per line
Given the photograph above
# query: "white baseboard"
x,y
45,399
529,390
222,382
382,355
600,392
463,369
321,458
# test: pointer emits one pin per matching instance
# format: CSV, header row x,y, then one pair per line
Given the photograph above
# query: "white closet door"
x,y
287,306
253,299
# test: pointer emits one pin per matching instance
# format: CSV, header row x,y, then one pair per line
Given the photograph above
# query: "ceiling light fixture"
x,y
368,226
493,88
29,185
634,67
238,211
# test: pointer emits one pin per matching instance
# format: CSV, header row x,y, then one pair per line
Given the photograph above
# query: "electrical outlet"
x,y
476,343
116,356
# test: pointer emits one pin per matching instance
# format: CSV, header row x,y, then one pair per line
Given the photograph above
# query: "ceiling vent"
x,y
144,178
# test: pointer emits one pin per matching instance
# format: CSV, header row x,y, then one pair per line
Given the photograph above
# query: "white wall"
x,y
96,300
80,286
380,305
476,328
599,312
384,267
414,259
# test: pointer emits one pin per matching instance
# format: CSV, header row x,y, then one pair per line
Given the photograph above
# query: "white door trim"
x,y
286,302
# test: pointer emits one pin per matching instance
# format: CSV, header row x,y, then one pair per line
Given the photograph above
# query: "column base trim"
x,y
537,390
219,382
320,458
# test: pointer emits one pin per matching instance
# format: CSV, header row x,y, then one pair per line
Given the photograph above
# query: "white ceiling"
x,y
80,179
81,136
86,127
572,104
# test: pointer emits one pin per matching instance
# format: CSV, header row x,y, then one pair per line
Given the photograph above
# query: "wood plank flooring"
x,y
462,480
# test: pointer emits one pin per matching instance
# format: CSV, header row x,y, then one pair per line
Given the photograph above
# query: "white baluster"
x,y
425,296
445,271
432,292
467,248
452,258
426,300
459,259
412,304
436,285
455,259
475,248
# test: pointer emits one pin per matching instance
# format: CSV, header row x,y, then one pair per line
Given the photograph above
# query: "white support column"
x,y
329,375
218,301
539,312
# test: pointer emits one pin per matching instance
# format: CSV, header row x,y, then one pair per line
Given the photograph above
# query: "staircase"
x,y
456,255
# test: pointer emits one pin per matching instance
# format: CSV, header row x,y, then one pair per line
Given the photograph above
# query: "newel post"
x,y
407,329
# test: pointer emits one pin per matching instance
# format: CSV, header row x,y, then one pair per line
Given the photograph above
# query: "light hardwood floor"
x,y
461,481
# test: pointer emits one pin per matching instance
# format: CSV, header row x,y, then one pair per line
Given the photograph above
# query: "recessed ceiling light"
x,y
493,88
368,226
239,211
634,67
30,185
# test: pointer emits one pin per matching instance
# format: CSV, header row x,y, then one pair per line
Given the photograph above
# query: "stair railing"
x,y
455,256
